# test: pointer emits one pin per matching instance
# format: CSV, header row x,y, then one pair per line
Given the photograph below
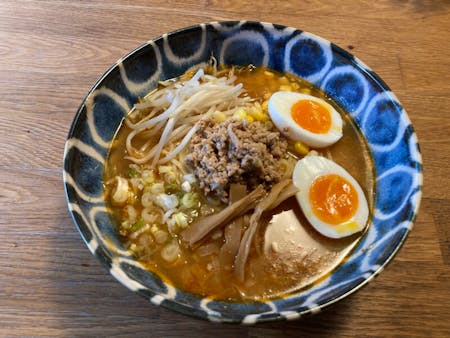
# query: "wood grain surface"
x,y
51,52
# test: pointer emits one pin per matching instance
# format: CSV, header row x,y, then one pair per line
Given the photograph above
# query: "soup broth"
x,y
286,254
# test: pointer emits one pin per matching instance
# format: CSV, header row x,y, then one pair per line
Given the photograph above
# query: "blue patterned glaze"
x,y
375,109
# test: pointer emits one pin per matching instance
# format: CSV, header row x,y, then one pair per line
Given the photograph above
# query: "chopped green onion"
x,y
157,188
154,228
170,252
126,224
161,236
171,188
133,172
139,224
181,220
189,200
148,177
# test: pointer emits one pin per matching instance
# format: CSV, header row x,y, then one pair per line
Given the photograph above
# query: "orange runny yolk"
x,y
334,200
312,116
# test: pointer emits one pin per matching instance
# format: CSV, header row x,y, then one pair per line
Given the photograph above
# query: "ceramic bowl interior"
x,y
374,108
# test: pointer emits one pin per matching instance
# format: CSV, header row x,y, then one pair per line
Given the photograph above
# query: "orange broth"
x,y
269,273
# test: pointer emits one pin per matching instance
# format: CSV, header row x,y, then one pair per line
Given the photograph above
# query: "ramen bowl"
x,y
373,107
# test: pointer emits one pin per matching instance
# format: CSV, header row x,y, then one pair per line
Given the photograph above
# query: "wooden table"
x,y
50,54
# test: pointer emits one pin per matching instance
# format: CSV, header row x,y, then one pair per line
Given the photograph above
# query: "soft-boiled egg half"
x,y
331,199
305,118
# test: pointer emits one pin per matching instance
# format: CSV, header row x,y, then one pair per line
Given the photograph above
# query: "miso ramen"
x,y
239,183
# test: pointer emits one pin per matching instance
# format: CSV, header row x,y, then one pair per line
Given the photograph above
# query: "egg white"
x,y
305,172
279,106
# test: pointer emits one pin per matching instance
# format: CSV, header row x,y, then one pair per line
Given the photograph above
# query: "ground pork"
x,y
235,152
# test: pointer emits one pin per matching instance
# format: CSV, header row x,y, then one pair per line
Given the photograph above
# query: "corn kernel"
x,y
295,85
265,105
249,118
284,80
239,114
218,116
286,88
259,116
305,91
301,148
268,74
255,109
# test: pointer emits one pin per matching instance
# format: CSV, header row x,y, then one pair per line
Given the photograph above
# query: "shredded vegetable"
x,y
175,111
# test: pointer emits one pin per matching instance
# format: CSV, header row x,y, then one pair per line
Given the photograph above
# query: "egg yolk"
x,y
333,199
312,116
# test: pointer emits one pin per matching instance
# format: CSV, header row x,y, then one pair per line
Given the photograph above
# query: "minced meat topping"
x,y
236,152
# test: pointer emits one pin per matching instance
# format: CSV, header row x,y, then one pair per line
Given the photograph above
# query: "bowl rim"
x,y
189,309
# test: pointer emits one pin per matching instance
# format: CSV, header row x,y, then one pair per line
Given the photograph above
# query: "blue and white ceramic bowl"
x,y
375,109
